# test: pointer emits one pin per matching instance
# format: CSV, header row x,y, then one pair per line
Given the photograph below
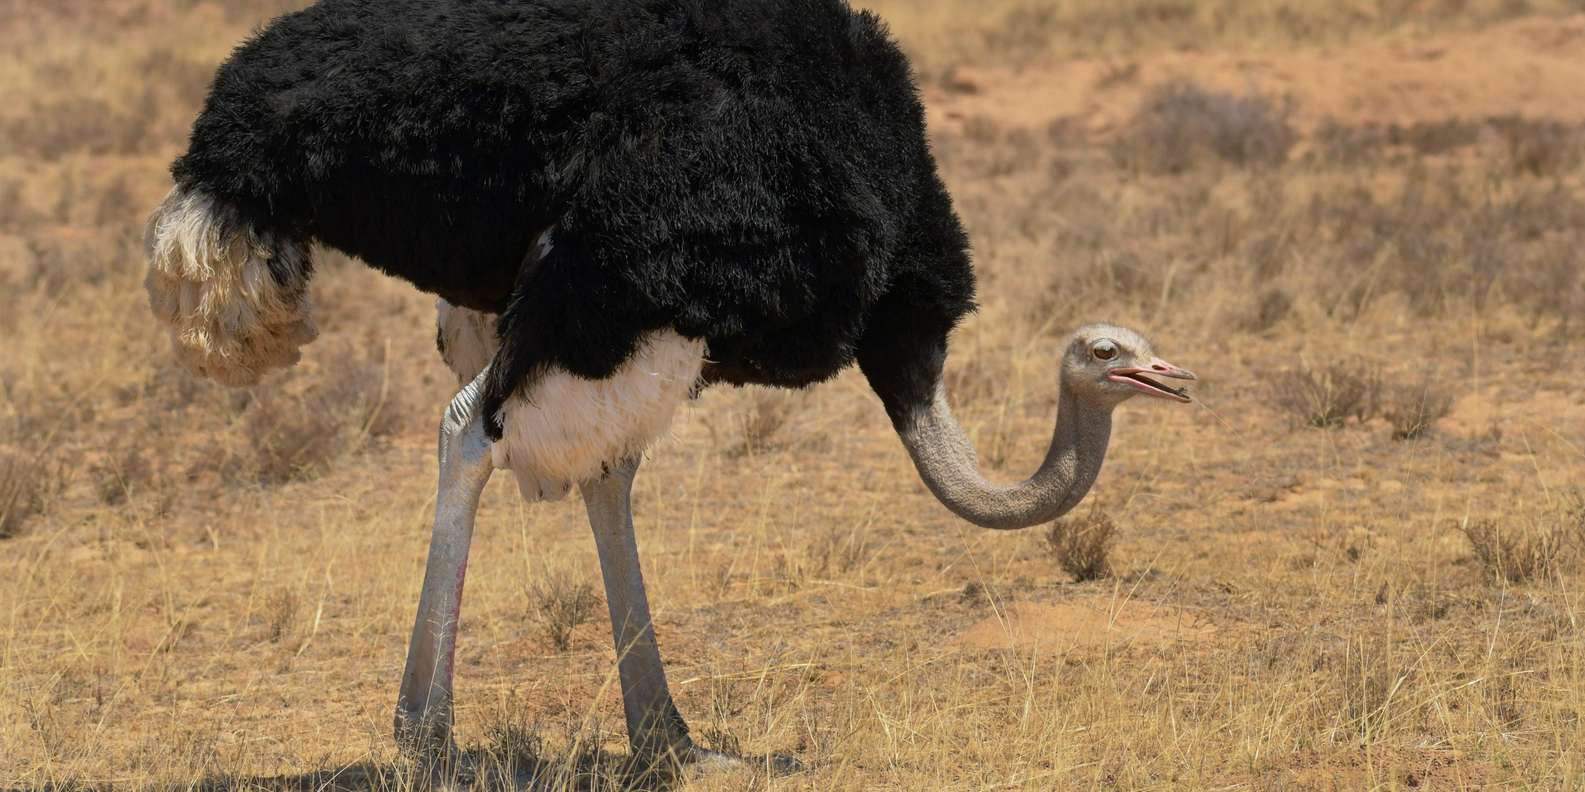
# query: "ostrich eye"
x,y
1104,349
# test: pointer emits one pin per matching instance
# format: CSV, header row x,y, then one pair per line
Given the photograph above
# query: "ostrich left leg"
x,y
424,706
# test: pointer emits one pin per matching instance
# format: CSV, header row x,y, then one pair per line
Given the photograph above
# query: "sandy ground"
x,y
1527,67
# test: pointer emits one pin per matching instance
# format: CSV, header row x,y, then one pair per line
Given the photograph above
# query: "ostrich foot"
x,y
431,757
778,764
439,765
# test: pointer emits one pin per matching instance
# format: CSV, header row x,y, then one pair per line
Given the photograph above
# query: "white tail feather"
x,y
211,283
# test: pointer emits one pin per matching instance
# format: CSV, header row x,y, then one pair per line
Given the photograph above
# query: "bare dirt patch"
x,y
1090,622
1528,67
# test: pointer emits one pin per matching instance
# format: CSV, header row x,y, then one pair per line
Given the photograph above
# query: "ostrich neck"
x,y
947,462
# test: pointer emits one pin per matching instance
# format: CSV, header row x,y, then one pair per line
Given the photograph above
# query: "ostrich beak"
x,y
1135,377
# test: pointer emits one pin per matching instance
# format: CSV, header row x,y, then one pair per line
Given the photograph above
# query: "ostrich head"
x,y
1102,366
1106,365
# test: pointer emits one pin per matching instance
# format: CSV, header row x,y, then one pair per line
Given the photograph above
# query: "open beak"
x,y
1142,379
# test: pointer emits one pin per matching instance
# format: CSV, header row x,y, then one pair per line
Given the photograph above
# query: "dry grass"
x,y
293,435
208,588
943,32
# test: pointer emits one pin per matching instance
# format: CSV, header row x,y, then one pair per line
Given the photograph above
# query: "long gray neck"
x,y
950,468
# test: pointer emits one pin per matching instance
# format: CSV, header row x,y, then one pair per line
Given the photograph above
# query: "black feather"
x,y
752,172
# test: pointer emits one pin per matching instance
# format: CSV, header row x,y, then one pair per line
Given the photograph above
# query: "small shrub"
x,y
1541,147
123,474
1345,145
1573,513
1181,123
1270,308
1327,396
280,613
297,437
1083,545
562,602
22,493
1515,554
1436,137
512,743
1413,409
768,411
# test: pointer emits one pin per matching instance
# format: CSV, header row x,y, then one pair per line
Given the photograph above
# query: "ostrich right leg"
x,y
655,730
424,706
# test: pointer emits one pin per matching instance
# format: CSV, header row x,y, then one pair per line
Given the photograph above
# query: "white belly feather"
x,y
567,429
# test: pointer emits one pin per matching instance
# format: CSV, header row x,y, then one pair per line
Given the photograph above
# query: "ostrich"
x,y
617,203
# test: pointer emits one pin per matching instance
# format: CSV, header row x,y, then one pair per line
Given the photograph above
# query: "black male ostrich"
x,y
617,202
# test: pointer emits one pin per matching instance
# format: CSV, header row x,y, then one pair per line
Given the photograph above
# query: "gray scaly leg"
x,y
424,706
655,730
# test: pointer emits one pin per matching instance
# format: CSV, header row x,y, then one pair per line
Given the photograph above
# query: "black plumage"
x,y
752,172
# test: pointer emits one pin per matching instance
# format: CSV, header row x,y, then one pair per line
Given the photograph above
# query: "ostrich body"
x,y
617,204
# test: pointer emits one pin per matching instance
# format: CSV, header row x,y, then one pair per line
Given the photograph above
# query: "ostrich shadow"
x,y
587,770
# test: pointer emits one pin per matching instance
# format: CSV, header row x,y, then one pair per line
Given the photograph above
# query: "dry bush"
x,y
1436,137
941,32
1541,147
23,490
1083,545
1445,239
1517,554
1414,408
767,413
34,470
1181,124
1268,310
280,613
14,210
1347,145
127,471
75,125
1328,395
513,745
562,601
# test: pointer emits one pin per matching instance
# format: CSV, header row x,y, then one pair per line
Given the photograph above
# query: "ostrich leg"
x,y
655,730
424,706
